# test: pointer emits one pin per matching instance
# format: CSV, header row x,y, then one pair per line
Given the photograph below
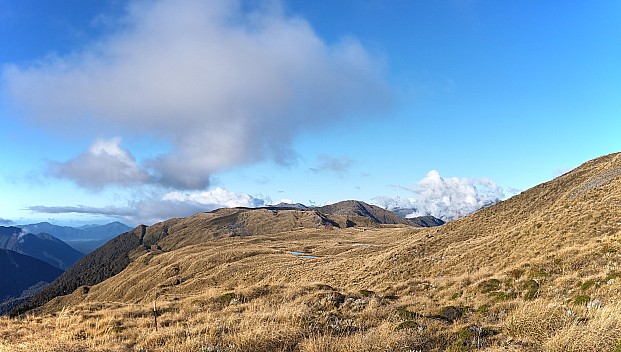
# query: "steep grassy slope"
x,y
539,271
94,268
20,273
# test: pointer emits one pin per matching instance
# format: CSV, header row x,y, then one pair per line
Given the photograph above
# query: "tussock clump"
x,y
489,285
595,330
536,321
380,339
531,289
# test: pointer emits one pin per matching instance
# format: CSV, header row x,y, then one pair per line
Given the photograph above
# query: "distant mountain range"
x,y
31,256
82,233
21,277
84,238
42,246
377,214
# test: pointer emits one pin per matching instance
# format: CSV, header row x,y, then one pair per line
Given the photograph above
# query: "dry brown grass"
x,y
540,271
284,318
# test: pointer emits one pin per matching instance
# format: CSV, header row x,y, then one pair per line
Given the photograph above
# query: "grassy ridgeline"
x,y
539,271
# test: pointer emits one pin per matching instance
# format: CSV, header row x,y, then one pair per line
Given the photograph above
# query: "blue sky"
x,y
143,110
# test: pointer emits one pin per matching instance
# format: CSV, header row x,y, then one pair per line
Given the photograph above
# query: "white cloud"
x,y
219,197
81,209
284,201
445,198
21,235
153,209
105,163
222,84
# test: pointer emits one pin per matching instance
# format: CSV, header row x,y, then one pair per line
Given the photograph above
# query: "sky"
x,y
139,111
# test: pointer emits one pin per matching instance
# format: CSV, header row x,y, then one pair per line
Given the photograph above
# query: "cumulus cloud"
x,y
336,165
105,163
222,82
219,197
445,198
173,204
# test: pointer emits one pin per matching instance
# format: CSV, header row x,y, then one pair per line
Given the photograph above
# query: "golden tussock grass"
x,y
538,272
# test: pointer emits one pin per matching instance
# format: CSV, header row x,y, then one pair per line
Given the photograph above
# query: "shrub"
x,y
582,299
587,285
531,288
489,285
503,295
450,313
407,315
408,324
366,293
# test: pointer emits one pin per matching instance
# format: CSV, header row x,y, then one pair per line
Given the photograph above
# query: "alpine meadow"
x,y
310,176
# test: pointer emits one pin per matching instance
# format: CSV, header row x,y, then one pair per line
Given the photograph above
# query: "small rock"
x,y
594,304
450,313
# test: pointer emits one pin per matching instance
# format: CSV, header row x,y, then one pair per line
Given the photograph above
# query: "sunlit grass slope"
x,y
538,272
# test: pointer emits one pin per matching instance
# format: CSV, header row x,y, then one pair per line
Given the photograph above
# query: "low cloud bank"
x,y
153,209
444,198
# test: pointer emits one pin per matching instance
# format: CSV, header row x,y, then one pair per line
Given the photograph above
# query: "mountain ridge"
x,y
114,256
84,238
84,232
539,271
353,208
42,246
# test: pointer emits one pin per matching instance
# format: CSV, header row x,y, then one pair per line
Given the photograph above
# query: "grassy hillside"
x,y
537,272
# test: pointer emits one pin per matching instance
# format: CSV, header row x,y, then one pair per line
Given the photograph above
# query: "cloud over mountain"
x,y
219,197
149,210
445,198
224,83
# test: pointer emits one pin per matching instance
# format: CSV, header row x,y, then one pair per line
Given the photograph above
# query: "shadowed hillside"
x,y
537,272
20,273
41,246
106,261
